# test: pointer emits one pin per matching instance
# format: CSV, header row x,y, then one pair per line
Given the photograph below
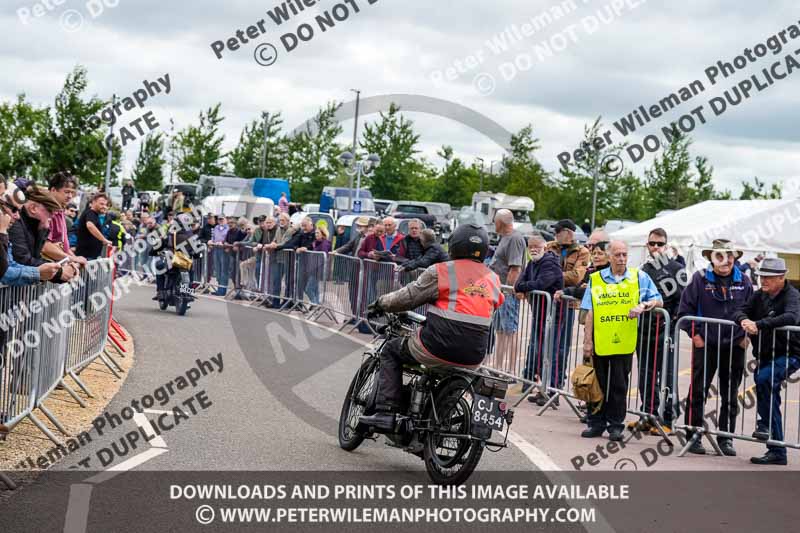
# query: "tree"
x,y
246,158
199,148
617,196
456,184
148,174
69,142
446,153
21,126
393,138
522,174
756,191
313,155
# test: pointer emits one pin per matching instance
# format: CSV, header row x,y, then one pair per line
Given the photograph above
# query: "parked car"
x,y
349,223
407,209
381,205
444,216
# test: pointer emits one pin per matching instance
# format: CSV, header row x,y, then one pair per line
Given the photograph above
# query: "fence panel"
x,y
310,277
246,277
18,364
88,334
278,281
377,279
342,289
732,396
566,351
52,325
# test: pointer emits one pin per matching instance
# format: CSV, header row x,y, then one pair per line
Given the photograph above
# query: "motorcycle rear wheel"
x,y
451,460
359,395
181,305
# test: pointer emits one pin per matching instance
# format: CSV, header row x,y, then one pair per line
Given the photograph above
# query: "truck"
x,y
488,203
336,200
233,196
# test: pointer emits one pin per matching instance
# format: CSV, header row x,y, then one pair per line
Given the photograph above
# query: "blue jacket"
x,y
542,275
17,274
704,297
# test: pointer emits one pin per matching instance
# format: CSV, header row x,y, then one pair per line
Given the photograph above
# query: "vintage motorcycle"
x,y
447,415
178,290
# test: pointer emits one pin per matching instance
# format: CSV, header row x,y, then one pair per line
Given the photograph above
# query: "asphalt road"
x,y
273,408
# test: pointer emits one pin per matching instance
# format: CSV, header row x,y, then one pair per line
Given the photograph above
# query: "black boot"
x,y
381,422
769,458
726,445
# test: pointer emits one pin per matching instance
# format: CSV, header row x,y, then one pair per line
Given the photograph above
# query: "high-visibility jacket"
x,y
615,333
458,324
118,233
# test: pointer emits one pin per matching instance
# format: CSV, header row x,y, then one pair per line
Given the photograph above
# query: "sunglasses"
x,y
656,244
601,245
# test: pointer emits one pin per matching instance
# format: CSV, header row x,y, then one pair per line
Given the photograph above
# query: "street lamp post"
x,y
355,140
356,168
265,116
482,165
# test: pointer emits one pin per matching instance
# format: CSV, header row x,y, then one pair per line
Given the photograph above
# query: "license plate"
x,y
486,412
185,288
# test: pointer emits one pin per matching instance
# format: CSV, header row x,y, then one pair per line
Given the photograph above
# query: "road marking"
x,y
78,508
142,421
80,494
536,456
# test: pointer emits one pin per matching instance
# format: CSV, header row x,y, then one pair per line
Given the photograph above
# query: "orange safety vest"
x,y
468,292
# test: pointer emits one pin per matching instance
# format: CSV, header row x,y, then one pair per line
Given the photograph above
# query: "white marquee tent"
x,y
770,226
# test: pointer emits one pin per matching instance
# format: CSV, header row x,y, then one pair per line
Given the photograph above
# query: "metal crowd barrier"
x,y
278,279
245,275
58,330
310,280
520,339
565,353
722,376
650,379
378,278
341,290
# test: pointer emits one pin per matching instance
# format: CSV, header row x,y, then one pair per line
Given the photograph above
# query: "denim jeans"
x,y
221,267
769,379
312,290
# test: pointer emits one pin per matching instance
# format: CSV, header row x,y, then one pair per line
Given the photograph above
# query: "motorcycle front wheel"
x,y
359,395
450,454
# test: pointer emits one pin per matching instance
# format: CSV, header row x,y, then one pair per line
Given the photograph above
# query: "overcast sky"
x,y
645,52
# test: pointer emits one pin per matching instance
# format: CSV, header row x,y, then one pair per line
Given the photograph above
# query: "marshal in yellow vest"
x,y
614,332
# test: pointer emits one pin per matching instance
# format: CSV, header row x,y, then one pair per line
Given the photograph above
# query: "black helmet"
x,y
469,241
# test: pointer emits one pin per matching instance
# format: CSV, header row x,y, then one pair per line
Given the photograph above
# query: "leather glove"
x,y
374,310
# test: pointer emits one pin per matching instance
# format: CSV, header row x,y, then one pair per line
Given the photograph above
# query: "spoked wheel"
x,y
449,459
181,305
359,395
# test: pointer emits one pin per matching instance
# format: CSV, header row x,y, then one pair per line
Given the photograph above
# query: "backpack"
x,y
585,386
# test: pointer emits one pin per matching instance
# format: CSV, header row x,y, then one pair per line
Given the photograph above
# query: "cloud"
x,y
643,54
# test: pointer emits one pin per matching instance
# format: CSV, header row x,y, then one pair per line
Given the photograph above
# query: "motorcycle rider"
x,y
463,294
176,238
